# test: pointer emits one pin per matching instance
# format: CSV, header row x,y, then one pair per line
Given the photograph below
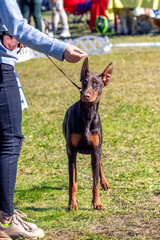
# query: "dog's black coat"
x,y
83,132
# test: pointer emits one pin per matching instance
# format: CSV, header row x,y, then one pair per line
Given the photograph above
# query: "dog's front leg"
x,y
95,157
72,180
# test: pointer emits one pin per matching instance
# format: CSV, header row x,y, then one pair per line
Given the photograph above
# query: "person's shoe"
x,y
22,215
20,228
65,34
4,236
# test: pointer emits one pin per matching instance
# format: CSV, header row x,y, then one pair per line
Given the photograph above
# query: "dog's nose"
x,y
86,95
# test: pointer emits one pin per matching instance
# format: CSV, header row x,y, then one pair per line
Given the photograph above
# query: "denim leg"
x,y
10,136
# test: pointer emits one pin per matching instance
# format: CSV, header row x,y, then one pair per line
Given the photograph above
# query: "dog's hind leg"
x,y
103,181
72,180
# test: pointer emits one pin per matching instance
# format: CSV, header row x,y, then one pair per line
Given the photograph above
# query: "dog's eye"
x,y
95,83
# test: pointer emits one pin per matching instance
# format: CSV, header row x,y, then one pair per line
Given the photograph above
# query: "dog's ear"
x,y
85,68
106,75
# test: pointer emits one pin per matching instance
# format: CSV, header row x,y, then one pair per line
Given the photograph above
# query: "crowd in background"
x,y
126,21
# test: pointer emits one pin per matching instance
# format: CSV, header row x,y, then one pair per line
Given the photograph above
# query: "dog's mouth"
x,y
86,100
90,99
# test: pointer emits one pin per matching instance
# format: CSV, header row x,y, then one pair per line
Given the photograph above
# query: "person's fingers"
x,y
76,49
79,53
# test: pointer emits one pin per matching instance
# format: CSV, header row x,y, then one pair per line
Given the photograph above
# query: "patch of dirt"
x,y
120,227
63,235
130,227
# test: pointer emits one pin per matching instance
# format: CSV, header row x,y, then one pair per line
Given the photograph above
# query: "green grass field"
x,y
130,115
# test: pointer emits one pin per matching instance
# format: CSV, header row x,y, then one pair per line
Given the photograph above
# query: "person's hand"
x,y
9,42
73,54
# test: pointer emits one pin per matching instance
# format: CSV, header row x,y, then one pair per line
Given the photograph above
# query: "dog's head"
x,y
92,84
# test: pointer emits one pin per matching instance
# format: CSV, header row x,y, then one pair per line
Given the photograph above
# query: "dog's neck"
x,y
88,111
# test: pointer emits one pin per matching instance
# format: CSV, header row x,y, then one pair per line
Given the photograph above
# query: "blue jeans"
x,y
10,136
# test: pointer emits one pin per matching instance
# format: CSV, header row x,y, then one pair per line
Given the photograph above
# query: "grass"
x,y
130,115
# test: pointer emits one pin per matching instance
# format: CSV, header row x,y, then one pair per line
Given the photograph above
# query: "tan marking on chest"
x,y
75,139
94,139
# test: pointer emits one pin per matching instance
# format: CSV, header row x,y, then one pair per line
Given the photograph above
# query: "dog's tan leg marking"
x,y
75,139
96,194
72,193
96,198
94,140
103,181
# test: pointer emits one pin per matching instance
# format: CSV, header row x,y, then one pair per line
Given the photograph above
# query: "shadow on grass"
x,y
41,189
46,189
45,193
57,209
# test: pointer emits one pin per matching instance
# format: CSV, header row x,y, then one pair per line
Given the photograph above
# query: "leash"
x,y
79,88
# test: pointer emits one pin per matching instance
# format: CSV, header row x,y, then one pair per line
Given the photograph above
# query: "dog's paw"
x,y
97,205
105,184
73,205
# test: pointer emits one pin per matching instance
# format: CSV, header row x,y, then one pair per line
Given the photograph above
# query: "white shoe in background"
x,y
65,34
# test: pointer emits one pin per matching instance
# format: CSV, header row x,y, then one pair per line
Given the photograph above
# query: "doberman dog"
x,y
83,132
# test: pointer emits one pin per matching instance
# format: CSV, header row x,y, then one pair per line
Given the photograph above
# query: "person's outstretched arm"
x,y
26,34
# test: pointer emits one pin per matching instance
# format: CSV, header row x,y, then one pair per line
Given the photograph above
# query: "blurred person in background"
x,y
98,8
58,12
32,7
